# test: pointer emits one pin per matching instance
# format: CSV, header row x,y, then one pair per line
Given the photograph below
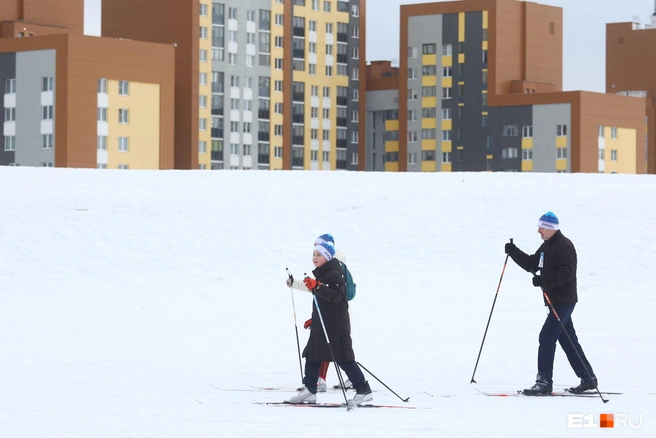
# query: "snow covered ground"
x,y
125,295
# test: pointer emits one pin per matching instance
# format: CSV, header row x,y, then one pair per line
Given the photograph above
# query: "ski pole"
x,y
402,399
332,355
553,309
490,318
298,345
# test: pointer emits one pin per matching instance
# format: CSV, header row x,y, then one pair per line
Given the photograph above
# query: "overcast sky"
x,y
584,33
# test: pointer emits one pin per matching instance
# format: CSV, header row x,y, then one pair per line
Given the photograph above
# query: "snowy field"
x,y
126,296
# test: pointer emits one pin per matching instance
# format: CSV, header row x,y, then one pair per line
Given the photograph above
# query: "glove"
x,y
510,247
537,281
307,324
311,283
290,281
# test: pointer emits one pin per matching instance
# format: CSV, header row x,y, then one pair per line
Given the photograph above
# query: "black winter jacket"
x,y
558,268
331,296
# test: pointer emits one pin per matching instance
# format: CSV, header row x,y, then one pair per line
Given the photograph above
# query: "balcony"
x,y
262,158
298,140
263,136
342,122
299,32
341,164
299,53
342,58
342,101
341,143
298,97
298,118
342,37
263,114
217,155
217,133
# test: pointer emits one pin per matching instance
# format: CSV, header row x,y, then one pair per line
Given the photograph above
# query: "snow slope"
x,y
124,295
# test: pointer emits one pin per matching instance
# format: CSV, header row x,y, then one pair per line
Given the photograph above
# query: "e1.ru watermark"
x,y
609,421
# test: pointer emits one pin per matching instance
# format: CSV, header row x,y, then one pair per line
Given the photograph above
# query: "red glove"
x,y
311,283
307,324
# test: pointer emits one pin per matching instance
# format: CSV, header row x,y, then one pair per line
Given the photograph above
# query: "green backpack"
x,y
350,285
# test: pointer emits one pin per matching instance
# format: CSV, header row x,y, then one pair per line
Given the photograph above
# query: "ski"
x,y
332,405
592,392
520,393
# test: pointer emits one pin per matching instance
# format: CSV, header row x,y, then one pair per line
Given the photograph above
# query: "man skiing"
x,y
556,260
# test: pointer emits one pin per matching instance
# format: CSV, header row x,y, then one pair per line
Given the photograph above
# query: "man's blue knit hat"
x,y
549,221
326,249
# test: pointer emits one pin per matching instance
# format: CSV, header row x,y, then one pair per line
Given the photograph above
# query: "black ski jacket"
x,y
331,296
558,268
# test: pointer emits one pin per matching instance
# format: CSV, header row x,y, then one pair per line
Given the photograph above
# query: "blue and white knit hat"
x,y
324,238
549,221
326,249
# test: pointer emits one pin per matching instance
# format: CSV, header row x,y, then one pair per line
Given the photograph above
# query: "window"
x,y
446,157
277,130
234,126
509,153
429,49
354,116
278,64
326,8
202,78
202,55
431,113
202,147
123,88
428,134
447,49
234,81
279,20
412,115
613,155
203,33
354,158
277,108
412,73
326,156
561,153
10,86
246,127
355,74
202,124
412,136
601,131
601,154
329,71
355,32
447,72
412,158
10,114
428,70
102,114
413,52
613,132
232,13
123,144
412,94
354,138
325,135
446,135
329,28
102,142
278,42
484,56
509,131
561,130
428,156
250,16
355,53
203,10
326,91
46,112
102,85
277,86
527,154
326,113
527,132
10,142
232,58
277,152
485,120
234,149
315,7
250,38
202,101
446,93
429,91
47,83
246,149
123,116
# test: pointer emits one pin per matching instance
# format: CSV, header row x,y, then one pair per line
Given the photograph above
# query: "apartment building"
x,y
69,100
260,84
479,88
631,71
